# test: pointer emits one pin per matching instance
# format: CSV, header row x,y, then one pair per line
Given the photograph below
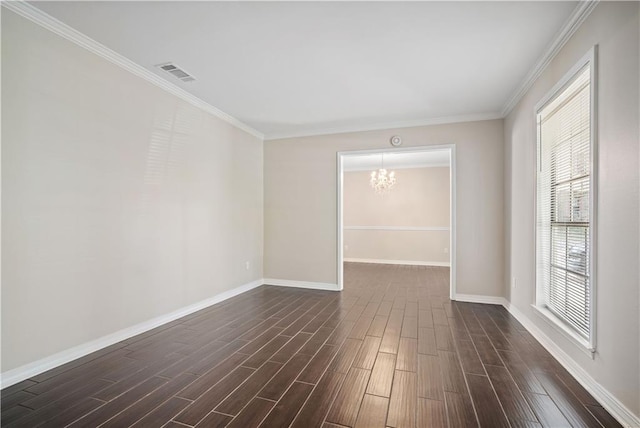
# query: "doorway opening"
x,y
412,223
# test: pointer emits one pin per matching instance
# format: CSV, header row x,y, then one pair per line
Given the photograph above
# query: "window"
x,y
565,204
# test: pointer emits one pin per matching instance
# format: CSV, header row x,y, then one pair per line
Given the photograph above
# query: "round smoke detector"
x,y
395,140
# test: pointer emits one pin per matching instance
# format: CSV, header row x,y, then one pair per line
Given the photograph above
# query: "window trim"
x,y
589,345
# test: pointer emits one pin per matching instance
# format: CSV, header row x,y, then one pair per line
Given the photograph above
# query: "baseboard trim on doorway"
x,y
478,298
301,284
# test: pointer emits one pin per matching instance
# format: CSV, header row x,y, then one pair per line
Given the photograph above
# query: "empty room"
x,y
320,214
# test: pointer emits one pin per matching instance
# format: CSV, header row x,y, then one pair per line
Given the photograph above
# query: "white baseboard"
x,y
397,262
601,394
301,284
477,298
618,410
21,373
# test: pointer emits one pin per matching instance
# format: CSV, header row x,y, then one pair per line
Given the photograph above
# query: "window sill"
x,y
565,330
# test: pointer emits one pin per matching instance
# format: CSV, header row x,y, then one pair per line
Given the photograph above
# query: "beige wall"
x,y
120,202
428,248
300,201
419,199
614,26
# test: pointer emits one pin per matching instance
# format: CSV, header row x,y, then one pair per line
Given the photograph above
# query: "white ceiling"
x,y
301,68
397,160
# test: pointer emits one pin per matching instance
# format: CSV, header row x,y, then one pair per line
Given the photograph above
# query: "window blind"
x,y
563,204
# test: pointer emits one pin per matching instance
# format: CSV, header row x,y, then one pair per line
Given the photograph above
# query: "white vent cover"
x,y
176,71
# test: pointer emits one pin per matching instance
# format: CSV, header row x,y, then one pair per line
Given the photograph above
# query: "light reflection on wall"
x,y
168,145
163,204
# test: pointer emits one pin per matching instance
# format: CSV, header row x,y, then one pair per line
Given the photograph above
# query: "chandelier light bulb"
x,y
382,180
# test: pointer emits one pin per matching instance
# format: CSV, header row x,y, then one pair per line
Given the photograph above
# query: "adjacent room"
x,y
375,210
396,210
320,214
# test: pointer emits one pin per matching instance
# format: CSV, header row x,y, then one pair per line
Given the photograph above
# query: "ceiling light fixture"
x,y
396,140
382,180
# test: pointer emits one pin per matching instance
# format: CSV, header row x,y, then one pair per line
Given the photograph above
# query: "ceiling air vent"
x,y
176,71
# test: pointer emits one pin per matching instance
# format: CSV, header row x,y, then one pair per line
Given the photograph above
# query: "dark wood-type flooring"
x,y
391,350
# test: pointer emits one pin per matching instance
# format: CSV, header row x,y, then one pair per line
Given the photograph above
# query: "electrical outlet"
x,y
346,247
247,265
514,282
446,250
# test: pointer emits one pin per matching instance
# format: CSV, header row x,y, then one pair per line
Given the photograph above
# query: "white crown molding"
x,y
301,284
396,262
26,10
26,371
45,20
312,132
477,298
578,16
616,408
399,228
395,168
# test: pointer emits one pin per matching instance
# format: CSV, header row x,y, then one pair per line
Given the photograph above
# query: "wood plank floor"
x,y
391,350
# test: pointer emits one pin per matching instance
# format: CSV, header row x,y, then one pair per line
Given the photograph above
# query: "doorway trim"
x,y
452,204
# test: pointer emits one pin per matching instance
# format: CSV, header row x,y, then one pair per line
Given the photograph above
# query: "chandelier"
x,y
382,180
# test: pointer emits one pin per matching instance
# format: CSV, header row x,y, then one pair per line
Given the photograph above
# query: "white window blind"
x,y
564,200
